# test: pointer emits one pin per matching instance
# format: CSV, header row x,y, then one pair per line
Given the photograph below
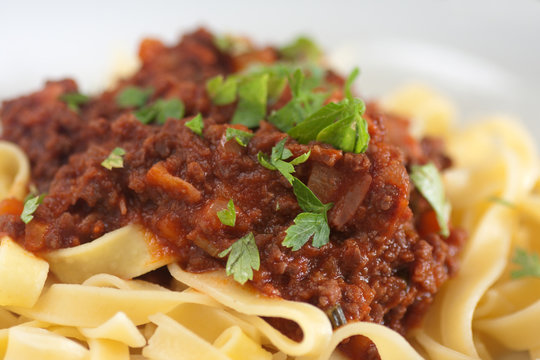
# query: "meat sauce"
x,y
385,259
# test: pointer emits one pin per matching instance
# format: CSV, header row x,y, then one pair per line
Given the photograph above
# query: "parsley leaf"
x,y
307,225
234,45
30,206
133,96
316,122
160,111
252,96
276,160
312,223
241,137
243,258
428,181
222,92
301,49
501,201
338,124
228,216
530,264
196,124
170,108
74,100
350,80
115,159
277,78
303,102
307,199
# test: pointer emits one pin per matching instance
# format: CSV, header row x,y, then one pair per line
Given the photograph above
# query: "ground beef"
x,y
385,259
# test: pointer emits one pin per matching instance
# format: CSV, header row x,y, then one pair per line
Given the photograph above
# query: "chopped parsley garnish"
x,y
133,96
228,216
307,200
501,201
241,137
428,181
301,49
307,225
350,80
252,96
196,124
161,110
74,100
115,159
30,206
277,78
529,263
304,102
338,124
243,258
336,316
234,45
222,92
276,161
312,223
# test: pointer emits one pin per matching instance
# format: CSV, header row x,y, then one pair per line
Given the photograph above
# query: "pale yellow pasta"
x,y
102,349
494,159
432,114
91,306
173,341
22,275
314,323
4,336
210,322
26,342
14,171
118,328
127,252
234,343
390,344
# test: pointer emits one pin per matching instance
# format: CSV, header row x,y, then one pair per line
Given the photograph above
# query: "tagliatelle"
x,y
127,252
14,171
90,308
494,159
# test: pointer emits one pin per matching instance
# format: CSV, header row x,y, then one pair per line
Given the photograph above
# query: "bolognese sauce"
x,y
385,259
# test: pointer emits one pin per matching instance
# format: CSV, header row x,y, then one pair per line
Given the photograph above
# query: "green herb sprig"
x,y
276,161
74,100
338,124
161,110
243,258
196,124
429,183
133,96
222,92
228,216
30,206
304,102
312,223
252,98
529,263
115,159
301,49
240,136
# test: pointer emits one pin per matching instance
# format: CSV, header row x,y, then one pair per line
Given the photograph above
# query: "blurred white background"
x,y
484,53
